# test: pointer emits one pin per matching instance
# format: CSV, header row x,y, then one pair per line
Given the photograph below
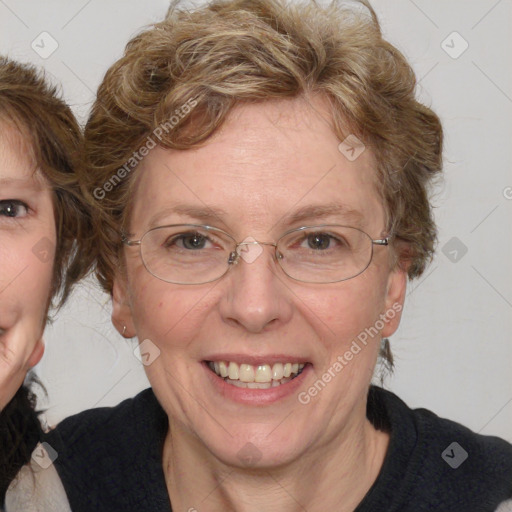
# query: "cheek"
x,y
344,312
26,272
167,314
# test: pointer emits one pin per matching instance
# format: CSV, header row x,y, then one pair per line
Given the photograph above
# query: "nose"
x,y
255,293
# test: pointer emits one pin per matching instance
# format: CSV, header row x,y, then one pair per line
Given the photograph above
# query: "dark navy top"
x,y
110,459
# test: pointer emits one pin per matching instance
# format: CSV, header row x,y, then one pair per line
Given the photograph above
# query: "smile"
x,y
261,376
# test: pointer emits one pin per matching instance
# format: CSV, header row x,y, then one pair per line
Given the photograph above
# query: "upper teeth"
x,y
259,373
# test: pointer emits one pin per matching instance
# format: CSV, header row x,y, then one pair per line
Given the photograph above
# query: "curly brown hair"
x,y
234,51
33,107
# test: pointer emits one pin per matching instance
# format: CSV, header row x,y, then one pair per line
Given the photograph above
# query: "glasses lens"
x,y
325,254
186,254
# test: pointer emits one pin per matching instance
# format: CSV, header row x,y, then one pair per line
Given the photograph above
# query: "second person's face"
x,y
27,252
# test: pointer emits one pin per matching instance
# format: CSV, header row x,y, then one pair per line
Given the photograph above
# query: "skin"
x,y
27,252
266,161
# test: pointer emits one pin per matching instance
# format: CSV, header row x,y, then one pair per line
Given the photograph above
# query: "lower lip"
x,y
256,396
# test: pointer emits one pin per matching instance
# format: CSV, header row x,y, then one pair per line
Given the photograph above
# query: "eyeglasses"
x,y
198,254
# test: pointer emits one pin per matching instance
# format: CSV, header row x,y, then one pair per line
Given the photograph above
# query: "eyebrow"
x,y
321,211
310,212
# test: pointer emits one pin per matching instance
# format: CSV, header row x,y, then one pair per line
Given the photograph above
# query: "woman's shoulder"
x,y
389,409
75,427
107,429
442,460
463,458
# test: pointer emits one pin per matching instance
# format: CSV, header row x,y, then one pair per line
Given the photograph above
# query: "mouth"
x,y
260,376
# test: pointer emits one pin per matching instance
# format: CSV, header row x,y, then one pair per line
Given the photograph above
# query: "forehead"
x,y
265,162
17,160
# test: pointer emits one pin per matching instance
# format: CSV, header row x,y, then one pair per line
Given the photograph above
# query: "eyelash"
x,y
8,204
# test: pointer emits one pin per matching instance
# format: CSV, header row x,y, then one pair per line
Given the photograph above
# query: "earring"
x,y
386,354
124,330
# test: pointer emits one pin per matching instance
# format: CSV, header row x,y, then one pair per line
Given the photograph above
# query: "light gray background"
x,y
453,350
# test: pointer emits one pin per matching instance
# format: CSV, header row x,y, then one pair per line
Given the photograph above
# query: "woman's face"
x,y
267,162
27,251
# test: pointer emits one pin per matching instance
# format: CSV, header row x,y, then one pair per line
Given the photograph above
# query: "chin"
x,y
256,448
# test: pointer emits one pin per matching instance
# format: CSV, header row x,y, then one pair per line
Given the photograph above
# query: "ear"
x,y
37,353
121,309
394,303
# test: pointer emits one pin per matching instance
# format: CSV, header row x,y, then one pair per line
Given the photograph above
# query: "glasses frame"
x,y
234,256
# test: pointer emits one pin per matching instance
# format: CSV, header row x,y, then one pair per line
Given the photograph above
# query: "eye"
x,y
319,241
322,241
192,241
13,208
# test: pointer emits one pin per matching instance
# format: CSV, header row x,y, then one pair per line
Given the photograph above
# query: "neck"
x,y
345,468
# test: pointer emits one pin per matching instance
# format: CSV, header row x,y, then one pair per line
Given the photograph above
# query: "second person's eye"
x,y
13,208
